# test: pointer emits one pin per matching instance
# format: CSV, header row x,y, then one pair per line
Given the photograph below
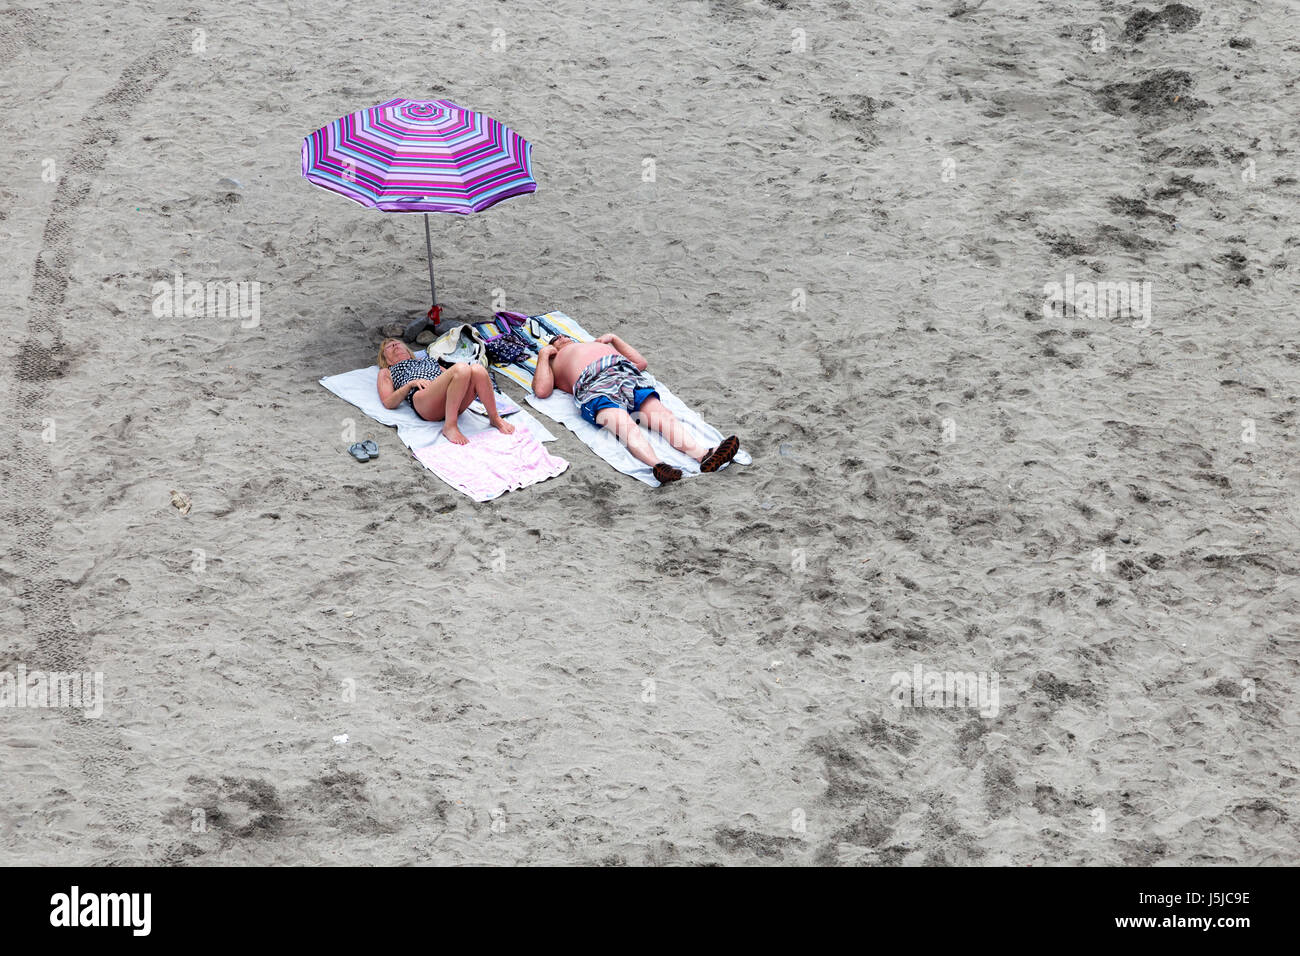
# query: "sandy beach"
x,y
852,249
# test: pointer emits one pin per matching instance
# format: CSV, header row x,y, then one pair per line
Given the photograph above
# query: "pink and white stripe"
x,y
419,156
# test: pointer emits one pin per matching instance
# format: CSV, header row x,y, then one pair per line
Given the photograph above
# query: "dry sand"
x,y
699,674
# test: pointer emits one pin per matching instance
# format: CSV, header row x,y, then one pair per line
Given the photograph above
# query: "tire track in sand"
x,y
37,370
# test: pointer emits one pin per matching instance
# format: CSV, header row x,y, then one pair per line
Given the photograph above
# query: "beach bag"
x,y
460,344
508,348
505,349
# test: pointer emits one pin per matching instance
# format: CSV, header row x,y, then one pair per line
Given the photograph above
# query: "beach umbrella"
x,y
424,156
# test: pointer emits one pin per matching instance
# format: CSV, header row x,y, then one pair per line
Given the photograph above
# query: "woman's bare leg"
x,y
458,398
482,387
431,402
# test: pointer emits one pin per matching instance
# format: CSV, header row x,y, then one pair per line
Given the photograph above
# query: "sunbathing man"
x,y
606,381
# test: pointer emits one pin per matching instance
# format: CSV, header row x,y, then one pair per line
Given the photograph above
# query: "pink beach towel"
x,y
492,463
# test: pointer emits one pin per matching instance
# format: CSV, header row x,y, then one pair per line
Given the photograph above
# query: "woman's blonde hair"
x,y
383,362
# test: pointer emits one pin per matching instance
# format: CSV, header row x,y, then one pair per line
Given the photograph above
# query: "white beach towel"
x,y
560,407
359,388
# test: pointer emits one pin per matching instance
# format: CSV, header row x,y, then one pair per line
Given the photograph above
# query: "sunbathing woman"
x,y
433,391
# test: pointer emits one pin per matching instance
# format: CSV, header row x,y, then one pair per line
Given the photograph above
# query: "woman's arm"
x,y
392,397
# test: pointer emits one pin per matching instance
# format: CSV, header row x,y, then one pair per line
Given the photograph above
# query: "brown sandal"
x,y
665,473
717,457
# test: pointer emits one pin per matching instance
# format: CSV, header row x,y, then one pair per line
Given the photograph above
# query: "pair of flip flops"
x,y
364,450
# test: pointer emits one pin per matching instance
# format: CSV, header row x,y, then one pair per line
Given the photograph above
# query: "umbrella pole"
x,y
428,245
434,315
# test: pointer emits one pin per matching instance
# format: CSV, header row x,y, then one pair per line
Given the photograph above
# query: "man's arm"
x,y
629,353
544,377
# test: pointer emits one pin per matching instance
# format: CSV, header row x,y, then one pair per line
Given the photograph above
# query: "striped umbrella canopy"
x,y
420,156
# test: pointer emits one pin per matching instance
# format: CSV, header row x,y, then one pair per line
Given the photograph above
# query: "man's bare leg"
x,y
619,422
656,417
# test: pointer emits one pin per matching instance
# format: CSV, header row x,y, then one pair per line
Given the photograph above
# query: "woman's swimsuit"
x,y
408,370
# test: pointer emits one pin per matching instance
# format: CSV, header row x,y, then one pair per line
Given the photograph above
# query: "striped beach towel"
x,y
536,331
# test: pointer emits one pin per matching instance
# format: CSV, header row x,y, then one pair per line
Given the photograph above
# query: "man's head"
x,y
561,342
